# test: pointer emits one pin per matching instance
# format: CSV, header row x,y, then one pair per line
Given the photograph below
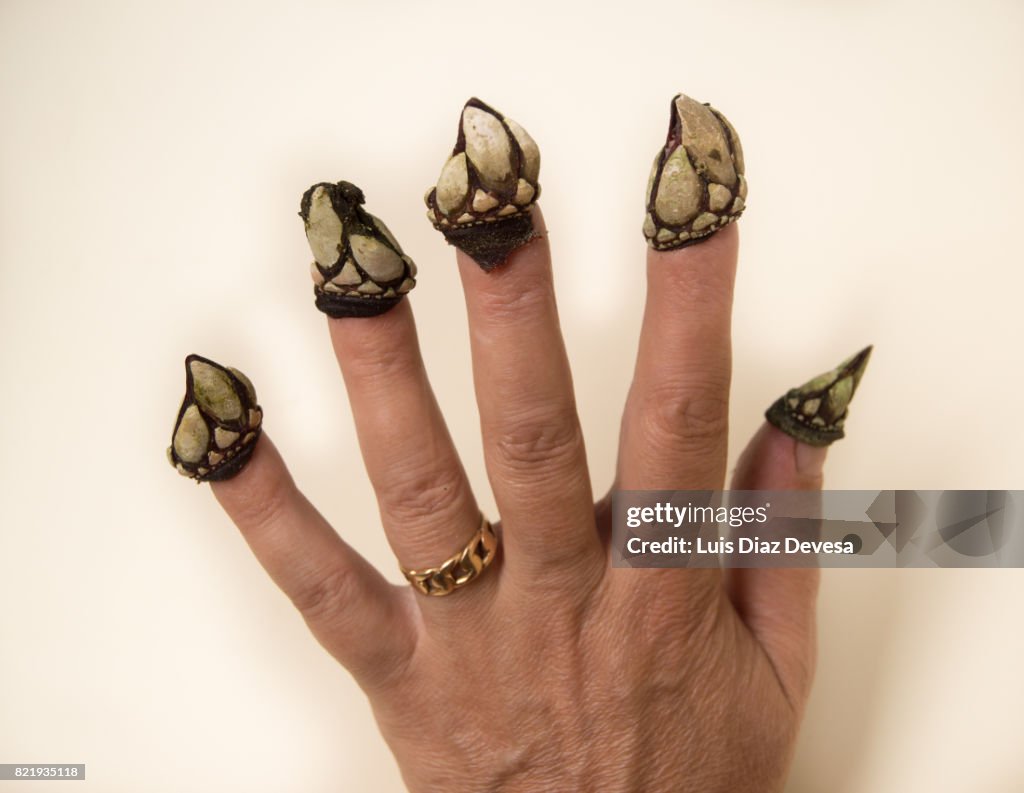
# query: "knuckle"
x,y
693,418
551,439
423,493
334,605
325,595
386,672
565,576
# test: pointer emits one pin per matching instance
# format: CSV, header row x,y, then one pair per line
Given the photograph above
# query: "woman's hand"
x,y
553,670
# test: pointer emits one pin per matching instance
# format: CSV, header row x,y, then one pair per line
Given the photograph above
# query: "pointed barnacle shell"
x,y
219,404
486,187
191,437
734,141
815,412
377,259
489,148
530,151
696,185
250,391
679,190
705,141
453,185
368,260
386,233
215,391
323,228
530,168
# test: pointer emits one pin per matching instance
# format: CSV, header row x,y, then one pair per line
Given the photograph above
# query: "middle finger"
x,y
532,439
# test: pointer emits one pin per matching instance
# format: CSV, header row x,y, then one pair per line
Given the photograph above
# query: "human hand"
x,y
552,670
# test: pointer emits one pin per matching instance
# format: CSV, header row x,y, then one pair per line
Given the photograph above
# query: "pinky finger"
x,y
788,453
778,605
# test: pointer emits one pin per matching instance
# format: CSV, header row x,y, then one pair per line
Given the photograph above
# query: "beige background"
x,y
153,156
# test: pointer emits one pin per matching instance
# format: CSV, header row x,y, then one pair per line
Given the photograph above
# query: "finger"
x,y
778,605
675,426
427,508
533,444
353,612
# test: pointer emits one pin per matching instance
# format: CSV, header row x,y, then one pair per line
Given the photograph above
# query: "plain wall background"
x,y
152,156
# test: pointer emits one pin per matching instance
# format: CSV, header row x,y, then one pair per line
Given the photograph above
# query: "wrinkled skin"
x,y
553,671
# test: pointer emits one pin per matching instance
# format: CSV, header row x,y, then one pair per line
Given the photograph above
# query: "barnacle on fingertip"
x,y
815,413
218,423
358,269
696,186
482,200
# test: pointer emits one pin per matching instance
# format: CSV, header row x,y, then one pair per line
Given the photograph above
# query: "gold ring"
x,y
460,569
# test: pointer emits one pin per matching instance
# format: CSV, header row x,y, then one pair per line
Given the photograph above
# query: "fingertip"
x,y
260,482
809,460
774,460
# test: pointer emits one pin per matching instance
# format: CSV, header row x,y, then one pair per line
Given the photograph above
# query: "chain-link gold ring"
x,y
460,569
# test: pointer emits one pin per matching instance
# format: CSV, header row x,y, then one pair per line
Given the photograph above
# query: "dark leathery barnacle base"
x,y
232,466
490,243
341,306
780,416
696,239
